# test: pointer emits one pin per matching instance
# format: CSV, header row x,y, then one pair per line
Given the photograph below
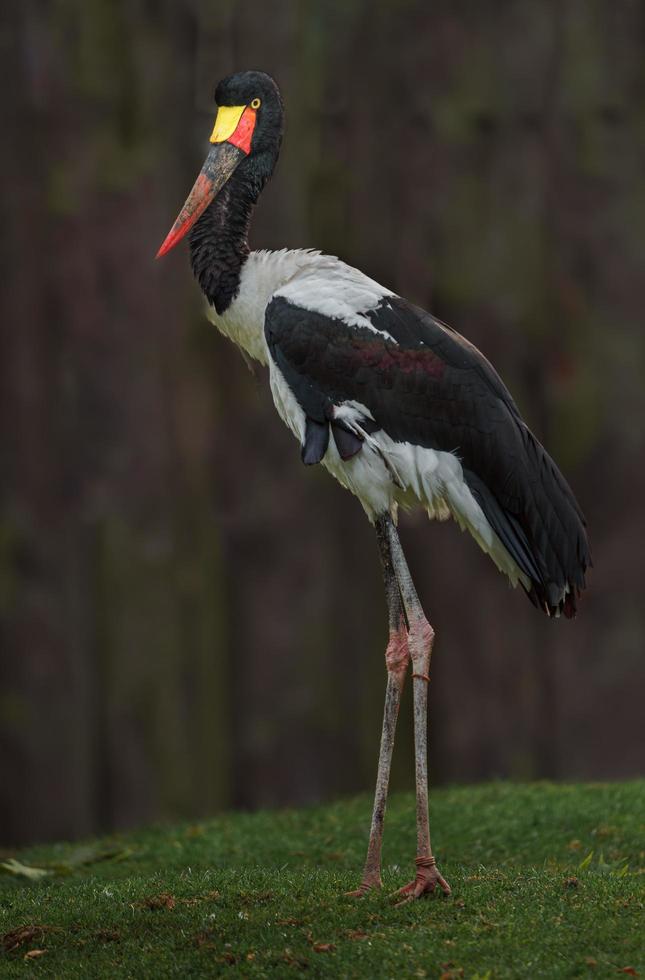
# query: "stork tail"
x,y
545,534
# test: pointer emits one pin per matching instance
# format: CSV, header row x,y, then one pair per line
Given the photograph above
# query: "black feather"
x,y
347,442
316,442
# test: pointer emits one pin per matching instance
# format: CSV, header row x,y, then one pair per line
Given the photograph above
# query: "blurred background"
x,y
190,619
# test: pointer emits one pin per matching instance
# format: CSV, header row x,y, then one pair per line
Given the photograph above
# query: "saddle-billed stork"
x,y
399,407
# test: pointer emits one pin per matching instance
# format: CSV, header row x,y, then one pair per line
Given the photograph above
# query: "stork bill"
x,y
397,406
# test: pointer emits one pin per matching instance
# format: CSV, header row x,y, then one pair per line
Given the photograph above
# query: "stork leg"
x,y
420,641
397,658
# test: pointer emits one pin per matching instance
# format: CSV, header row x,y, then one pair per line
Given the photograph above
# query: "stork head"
x,y
245,140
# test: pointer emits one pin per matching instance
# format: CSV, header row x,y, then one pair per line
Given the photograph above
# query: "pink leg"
x,y
420,641
397,658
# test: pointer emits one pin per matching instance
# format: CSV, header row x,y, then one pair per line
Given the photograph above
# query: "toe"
x,y
357,893
406,890
445,887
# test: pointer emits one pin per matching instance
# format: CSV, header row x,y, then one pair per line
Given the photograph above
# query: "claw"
x,y
404,901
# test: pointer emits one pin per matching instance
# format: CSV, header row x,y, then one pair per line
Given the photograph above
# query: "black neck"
x,y
219,241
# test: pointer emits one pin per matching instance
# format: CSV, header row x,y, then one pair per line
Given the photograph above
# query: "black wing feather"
x,y
426,384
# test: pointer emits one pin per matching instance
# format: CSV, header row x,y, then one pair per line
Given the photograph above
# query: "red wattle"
x,y
244,132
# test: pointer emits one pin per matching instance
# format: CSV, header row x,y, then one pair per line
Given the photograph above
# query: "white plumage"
x,y
331,287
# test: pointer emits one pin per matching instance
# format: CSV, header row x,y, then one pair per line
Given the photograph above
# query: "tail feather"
x,y
542,527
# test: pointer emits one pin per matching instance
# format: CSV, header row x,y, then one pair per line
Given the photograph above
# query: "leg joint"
x,y
397,654
421,639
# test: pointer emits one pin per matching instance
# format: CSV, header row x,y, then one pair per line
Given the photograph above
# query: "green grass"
x,y
262,894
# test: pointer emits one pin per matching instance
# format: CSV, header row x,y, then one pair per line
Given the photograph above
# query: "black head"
x,y
256,88
245,140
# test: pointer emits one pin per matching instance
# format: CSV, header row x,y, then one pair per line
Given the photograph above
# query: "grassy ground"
x,y
545,884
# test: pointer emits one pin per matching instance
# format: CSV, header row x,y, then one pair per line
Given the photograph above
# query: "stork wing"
x,y
423,383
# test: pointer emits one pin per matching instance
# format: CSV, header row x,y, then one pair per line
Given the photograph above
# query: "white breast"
x,y
286,403
262,274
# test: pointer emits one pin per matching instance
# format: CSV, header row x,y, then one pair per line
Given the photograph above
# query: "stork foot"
x,y
368,884
427,878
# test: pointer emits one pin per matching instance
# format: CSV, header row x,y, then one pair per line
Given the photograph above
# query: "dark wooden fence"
x,y
189,619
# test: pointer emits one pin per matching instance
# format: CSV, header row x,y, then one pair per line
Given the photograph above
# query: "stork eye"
x,y
256,103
